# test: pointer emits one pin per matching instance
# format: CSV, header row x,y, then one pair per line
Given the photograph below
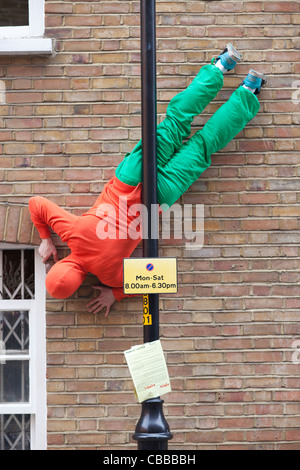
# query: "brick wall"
x,y
229,333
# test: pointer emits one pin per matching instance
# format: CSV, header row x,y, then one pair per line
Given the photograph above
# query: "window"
x,y
22,350
22,26
8,16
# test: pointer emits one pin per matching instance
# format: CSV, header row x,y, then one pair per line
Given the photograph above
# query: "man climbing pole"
x,y
179,165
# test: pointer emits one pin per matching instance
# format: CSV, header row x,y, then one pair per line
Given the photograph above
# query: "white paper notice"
x,y
148,369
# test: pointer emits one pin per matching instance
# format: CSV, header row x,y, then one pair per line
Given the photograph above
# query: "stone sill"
x,y
26,46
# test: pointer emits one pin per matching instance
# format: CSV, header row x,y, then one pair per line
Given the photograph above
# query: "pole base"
x,y
152,430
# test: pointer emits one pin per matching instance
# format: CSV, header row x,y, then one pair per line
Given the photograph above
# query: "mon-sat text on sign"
x,y
150,275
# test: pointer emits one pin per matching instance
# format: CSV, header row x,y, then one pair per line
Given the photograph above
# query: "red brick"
x,y
281,6
264,435
25,226
12,224
222,32
3,211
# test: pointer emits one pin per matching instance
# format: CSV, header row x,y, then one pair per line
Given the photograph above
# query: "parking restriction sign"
x,y
150,275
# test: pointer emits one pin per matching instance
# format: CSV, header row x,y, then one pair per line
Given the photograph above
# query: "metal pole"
x,y
152,431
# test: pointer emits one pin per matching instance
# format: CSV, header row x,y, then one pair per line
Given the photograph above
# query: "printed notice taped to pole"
x,y
148,369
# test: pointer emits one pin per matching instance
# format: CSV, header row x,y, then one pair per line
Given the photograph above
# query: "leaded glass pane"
x,y
14,13
14,432
14,381
18,274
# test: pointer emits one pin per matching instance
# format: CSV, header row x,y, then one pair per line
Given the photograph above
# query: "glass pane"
x,y
12,284
14,332
29,274
14,13
14,432
18,274
14,381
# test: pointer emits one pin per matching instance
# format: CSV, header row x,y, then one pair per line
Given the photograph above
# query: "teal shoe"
x,y
229,57
255,80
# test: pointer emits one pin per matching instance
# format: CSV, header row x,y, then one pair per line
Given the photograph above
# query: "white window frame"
x,y
27,39
37,405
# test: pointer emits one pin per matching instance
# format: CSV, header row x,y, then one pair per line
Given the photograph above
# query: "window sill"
x,y
26,46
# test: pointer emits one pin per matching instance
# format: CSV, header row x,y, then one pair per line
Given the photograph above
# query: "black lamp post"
x,y
152,430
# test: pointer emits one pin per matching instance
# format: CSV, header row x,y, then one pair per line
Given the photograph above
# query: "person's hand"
x,y
47,249
105,299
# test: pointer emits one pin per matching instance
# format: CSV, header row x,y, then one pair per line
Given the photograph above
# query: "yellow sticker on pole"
x,y
146,311
150,275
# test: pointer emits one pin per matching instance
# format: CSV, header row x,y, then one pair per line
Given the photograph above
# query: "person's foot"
x,y
228,59
254,81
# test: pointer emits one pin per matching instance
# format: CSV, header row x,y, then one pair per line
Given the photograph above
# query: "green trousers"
x,y
180,162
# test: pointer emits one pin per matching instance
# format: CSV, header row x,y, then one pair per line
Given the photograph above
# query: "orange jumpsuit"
x,y
89,254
